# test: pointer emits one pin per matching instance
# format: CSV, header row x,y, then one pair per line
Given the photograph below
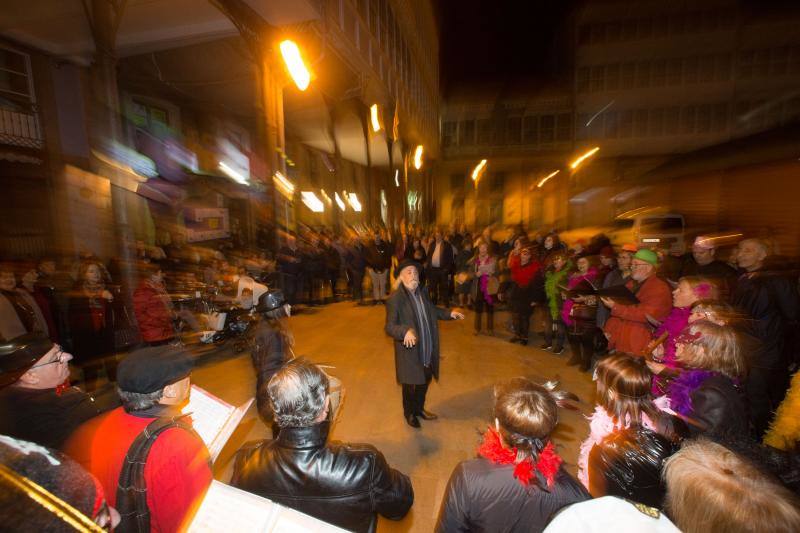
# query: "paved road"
x,y
352,340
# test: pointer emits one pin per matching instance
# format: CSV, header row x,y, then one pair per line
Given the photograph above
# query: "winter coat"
x,y
347,485
400,317
269,353
612,279
553,280
628,327
153,312
88,340
575,280
482,496
522,290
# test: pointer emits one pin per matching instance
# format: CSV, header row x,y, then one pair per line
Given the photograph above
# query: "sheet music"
x,y
209,414
227,508
227,430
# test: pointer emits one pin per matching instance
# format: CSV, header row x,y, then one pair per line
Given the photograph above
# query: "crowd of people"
x,y
695,427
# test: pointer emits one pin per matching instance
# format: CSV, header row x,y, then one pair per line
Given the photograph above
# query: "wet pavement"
x,y
351,340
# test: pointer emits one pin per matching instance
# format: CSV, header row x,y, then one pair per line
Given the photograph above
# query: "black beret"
x,y
407,263
21,353
151,369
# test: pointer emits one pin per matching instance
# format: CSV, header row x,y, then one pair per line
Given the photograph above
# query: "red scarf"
x,y
547,464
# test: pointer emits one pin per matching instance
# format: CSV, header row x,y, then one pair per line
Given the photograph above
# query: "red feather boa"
x,y
547,464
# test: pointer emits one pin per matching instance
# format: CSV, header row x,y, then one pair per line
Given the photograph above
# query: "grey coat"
x,y
400,317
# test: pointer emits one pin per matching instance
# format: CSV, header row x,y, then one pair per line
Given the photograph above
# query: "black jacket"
x,y
771,301
400,317
446,256
269,354
483,496
43,417
347,485
718,408
379,256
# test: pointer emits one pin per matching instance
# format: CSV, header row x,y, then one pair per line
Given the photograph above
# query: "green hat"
x,y
647,255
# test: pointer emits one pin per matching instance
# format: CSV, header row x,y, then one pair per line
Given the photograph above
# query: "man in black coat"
x,y
411,320
345,484
770,300
441,261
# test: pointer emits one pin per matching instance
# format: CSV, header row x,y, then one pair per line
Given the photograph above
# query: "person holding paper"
x,y
153,384
344,484
628,329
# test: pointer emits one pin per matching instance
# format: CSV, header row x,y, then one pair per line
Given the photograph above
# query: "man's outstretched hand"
x,y
410,339
456,315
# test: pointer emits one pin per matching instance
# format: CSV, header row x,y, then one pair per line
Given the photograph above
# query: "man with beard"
x,y
411,320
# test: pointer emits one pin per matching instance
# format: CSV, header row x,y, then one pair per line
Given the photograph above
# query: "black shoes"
x,y
546,346
427,415
413,421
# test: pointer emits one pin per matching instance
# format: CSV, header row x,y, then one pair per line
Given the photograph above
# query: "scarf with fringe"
x,y
547,464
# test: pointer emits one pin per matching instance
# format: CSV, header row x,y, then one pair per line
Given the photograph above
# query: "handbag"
x,y
583,312
127,334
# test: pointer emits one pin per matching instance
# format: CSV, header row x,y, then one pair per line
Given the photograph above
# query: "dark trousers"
x,y
414,396
582,346
765,388
554,331
438,286
522,324
480,305
356,280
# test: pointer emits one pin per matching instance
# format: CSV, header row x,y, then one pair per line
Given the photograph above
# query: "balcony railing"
x,y
20,127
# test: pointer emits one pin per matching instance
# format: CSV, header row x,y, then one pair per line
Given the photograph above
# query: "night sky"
x,y
502,40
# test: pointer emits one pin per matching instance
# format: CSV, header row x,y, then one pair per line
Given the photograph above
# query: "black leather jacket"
x,y
343,484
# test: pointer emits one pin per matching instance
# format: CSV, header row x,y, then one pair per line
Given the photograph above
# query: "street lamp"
x,y
476,172
373,115
295,65
418,157
546,178
575,164
312,202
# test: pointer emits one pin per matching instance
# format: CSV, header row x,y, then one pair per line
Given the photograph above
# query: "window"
x,y
671,121
466,133
514,130
611,125
761,64
643,74
629,30
596,82
595,127
690,70
564,127
15,79
656,122
584,35
722,68
547,128
719,121
674,72
583,79
484,132
640,123
704,118
645,28
706,74
613,32
659,73
626,124
778,61
612,77
530,129
448,133
746,64
794,60
598,33
628,75
582,132
688,118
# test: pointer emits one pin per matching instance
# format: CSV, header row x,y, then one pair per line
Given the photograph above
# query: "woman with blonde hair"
x,y
710,489
707,393
517,482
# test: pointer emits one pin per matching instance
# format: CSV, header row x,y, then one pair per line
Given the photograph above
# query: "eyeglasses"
x,y
60,357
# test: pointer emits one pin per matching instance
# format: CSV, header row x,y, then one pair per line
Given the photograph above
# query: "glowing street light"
x,y
476,172
373,115
294,62
232,173
326,197
544,179
575,164
418,157
339,201
397,177
354,203
312,202
283,185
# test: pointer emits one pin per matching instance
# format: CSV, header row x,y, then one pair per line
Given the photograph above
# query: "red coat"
x,y
153,314
628,327
177,472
